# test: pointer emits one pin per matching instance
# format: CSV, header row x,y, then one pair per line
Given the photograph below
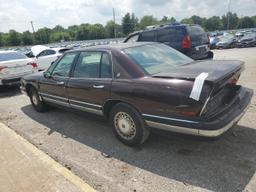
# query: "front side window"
x,y
88,65
156,58
64,65
93,65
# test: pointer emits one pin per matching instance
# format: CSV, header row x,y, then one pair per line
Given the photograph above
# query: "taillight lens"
x,y
2,67
33,64
186,43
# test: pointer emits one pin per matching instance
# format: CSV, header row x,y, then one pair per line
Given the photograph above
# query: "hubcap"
x,y
35,99
125,125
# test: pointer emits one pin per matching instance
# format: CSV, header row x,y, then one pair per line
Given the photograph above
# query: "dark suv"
x,y
191,40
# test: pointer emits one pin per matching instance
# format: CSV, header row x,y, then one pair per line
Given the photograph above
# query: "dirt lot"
x,y
167,162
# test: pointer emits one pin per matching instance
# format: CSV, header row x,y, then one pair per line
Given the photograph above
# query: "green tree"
x,y
213,23
42,36
27,38
58,28
127,24
73,30
83,31
110,26
14,38
233,20
246,22
147,20
166,20
1,40
187,21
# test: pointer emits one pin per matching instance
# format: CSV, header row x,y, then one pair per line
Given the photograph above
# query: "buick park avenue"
x,y
139,86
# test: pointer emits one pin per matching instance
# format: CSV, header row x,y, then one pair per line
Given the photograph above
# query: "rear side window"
x,y
11,56
197,34
147,36
133,38
169,35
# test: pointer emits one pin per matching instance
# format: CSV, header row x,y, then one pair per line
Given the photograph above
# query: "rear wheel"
x,y
127,124
37,101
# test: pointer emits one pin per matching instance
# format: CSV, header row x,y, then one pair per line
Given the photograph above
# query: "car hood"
x,y
217,70
38,49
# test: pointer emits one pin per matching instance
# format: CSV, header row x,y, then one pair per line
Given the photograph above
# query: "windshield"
x,y
226,37
156,58
11,56
249,36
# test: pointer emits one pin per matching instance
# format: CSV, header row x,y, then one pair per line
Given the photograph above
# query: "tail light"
x,y
186,43
208,40
2,67
33,64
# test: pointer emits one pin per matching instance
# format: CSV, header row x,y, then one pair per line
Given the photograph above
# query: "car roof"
x,y
117,46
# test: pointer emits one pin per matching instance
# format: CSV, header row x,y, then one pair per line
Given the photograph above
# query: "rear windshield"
x,y
197,34
156,58
11,56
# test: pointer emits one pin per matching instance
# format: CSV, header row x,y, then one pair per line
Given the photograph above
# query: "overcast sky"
x,y
17,14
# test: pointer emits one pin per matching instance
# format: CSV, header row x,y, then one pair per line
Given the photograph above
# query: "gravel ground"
x,y
166,162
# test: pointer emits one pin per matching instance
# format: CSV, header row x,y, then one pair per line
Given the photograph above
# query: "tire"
x,y
133,131
36,101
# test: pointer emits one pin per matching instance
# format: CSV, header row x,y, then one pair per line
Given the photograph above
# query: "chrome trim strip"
x,y
90,110
173,128
168,118
56,101
54,96
197,132
81,102
204,106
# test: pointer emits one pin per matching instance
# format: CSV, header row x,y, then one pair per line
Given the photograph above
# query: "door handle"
x,y
98,86
60,83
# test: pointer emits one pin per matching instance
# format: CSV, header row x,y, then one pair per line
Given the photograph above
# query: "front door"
x,y
90,83
53,84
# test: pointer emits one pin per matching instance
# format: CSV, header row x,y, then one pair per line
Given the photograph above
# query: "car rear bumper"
x,y
211,128
10,81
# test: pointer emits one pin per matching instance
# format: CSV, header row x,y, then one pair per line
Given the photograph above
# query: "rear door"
x,y
53,84
90,84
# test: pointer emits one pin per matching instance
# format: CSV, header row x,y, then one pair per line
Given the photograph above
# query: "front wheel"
x,y
37,101
128,125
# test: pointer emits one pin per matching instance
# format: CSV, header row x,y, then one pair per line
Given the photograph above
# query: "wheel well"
x,y
111,103
28,88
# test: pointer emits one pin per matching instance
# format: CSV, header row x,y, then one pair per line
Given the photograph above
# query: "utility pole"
x,y
32,26
114,19
228,15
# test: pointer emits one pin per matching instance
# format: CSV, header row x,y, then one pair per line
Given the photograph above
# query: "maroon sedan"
x,y
139,86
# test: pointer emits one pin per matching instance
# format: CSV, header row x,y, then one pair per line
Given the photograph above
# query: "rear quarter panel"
x,y
156,96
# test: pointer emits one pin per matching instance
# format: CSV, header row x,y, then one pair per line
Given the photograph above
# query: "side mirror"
x,y
47,75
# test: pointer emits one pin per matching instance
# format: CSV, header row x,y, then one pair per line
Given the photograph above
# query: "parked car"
x,y
226,41
45,56
14,65
213,41
191,40
248,40
142,85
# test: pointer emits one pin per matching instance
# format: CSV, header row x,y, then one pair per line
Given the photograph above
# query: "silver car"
x,y
13,66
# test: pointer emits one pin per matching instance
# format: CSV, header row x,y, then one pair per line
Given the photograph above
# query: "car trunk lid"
x,y
17,67
218,71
